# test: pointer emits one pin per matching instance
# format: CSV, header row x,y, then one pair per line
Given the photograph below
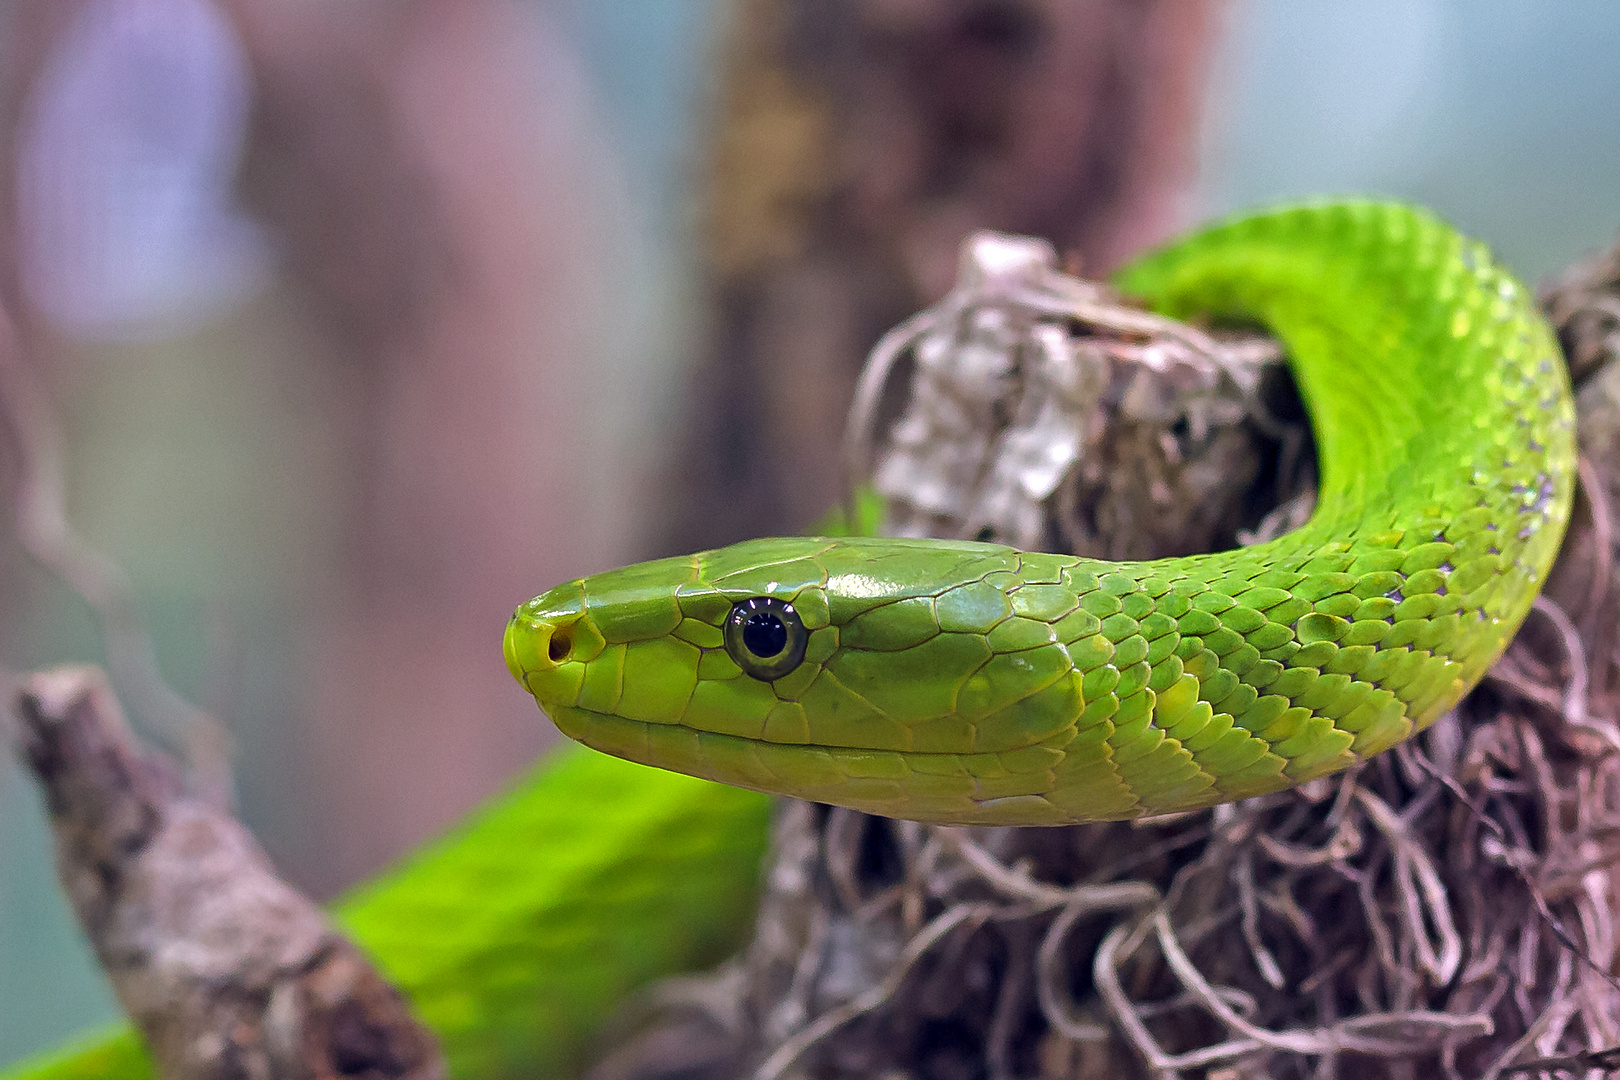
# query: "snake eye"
x,y
766,637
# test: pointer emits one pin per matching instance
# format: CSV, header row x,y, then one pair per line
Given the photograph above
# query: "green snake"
x,y
966,682
972,683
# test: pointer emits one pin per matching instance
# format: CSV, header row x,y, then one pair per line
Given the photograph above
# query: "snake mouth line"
x,y
612,720
943,787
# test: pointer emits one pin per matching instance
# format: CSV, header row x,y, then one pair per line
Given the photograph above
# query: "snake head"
x,y
814,667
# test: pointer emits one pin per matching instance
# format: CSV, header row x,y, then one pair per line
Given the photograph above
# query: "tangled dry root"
x,y
1444,910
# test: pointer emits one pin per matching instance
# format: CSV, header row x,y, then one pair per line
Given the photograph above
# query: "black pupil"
x,y
764,634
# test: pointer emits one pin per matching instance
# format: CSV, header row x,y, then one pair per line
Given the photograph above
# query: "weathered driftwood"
x,y
1446,910
229,973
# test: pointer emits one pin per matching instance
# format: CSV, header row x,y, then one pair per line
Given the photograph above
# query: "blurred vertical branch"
x,y
857,143
422,167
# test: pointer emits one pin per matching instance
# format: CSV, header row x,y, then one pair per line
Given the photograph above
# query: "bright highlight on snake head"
x,y
973,683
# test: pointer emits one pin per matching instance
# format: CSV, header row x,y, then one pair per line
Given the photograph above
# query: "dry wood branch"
x,y
228,971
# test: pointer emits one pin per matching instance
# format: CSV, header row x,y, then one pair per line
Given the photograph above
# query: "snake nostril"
x,y
559,645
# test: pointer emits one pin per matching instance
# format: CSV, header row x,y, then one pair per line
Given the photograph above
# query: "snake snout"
x,y
532,646
540,638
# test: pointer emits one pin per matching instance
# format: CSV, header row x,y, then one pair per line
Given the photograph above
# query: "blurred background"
x,y
364,322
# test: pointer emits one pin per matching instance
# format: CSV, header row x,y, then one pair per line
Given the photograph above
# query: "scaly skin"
x,y
972,683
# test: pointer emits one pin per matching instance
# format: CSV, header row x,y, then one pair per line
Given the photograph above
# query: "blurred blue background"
x,y
1503,116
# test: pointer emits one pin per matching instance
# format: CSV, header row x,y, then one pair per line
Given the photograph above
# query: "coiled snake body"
x,y
974,683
